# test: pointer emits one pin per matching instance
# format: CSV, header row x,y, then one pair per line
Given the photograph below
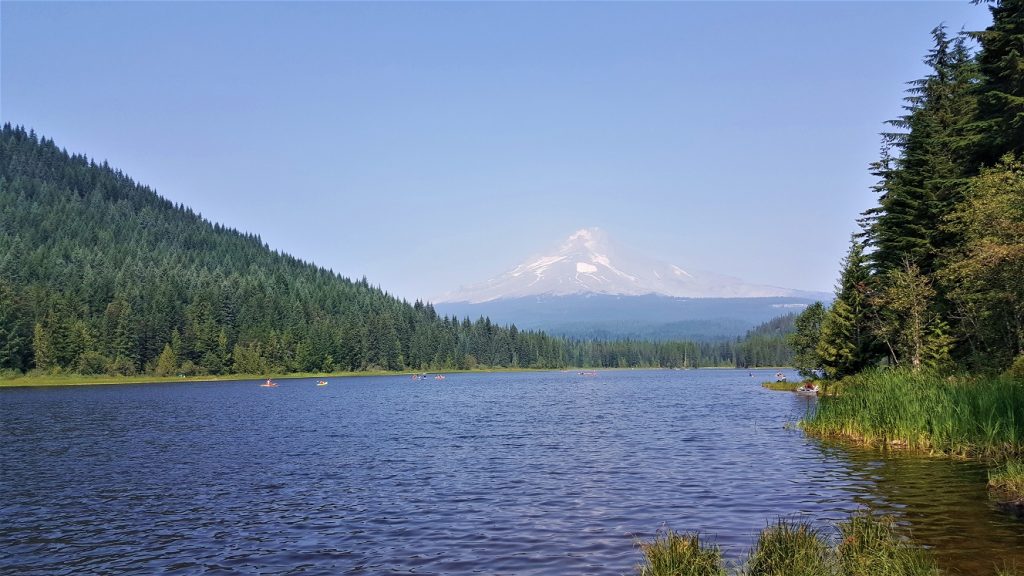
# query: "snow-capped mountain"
x,y
587,263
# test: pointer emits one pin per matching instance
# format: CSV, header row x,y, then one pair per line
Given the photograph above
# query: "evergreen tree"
x,y
15,335
166,363
804,340
846,345
923,165
42,349
999,124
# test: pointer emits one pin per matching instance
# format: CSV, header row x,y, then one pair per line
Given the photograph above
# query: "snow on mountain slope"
x,y
587,263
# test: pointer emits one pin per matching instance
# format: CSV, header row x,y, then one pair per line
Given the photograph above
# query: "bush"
x,y
1016,370
92,362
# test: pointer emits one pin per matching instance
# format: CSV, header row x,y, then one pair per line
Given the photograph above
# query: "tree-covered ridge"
x,y
936,279
99,274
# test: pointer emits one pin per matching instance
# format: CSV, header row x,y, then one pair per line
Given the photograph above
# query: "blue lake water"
x,y
524,473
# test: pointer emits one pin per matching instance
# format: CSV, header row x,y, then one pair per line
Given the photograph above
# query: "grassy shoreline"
x,y
45,380
38,381
781,386
960,417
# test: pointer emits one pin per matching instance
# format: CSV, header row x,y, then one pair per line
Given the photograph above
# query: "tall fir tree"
x,y
846,344
998,128
15,331
923,166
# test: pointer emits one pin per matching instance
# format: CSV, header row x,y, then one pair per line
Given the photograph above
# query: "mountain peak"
x,y
587,262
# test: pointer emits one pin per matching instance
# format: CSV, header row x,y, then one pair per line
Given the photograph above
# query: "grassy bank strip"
x,y
40,380
865,545
964,417
780,386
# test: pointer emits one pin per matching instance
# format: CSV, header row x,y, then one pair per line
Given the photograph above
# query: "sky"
x,y
431,145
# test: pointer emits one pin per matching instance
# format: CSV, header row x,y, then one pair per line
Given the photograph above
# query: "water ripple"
x,y
541,473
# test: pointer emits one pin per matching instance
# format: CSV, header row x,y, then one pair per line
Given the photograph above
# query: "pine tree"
x,y
923,165
15,335
999,124
804,340
42,349
846,345
166,363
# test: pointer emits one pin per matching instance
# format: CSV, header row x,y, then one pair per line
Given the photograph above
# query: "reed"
x,y
971,417
674,554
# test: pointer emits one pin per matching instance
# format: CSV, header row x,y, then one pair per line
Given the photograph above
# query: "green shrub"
x,y
1016,370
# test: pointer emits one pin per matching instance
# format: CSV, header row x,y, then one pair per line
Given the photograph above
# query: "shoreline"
x,y
48,380
960,418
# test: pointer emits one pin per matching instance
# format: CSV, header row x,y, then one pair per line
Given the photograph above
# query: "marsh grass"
x,y
1008,481
781,386
674,554
868,545
969,417
14,379
873,546
789,548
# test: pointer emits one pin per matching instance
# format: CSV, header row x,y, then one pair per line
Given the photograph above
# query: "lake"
x,y
517,473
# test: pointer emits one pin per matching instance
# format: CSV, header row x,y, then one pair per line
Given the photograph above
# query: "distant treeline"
x,y
100,275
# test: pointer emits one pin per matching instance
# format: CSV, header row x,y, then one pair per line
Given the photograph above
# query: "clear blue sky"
x,y
428,145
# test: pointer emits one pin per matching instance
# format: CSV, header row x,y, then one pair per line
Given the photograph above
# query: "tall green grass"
x,y
1008,480
872,546
867,545
674,554
789,548
973,417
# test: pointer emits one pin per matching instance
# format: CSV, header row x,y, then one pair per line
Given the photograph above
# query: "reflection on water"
x,y
946,506
539,473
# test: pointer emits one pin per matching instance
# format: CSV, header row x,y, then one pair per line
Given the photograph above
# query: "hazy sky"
x,y
428,145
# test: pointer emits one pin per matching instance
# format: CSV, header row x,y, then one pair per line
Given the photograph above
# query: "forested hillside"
x,y
100,275
936,278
